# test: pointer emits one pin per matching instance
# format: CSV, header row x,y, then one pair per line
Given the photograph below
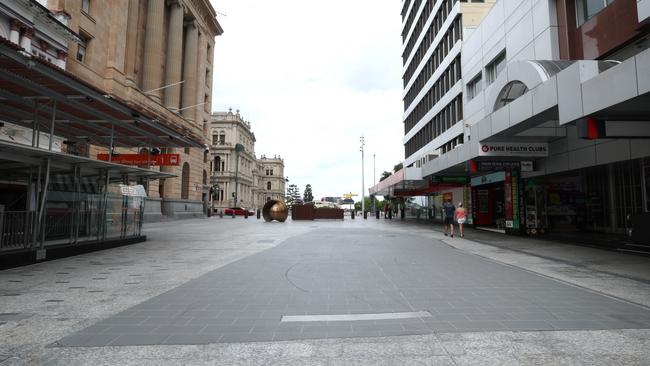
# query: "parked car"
x,y
241,211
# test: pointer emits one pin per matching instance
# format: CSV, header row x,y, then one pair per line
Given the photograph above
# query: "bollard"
x,y
390,214
246,214
365,215
258,213
221,214
352,214
377,214
402,214
233,214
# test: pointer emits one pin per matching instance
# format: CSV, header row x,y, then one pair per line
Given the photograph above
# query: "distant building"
x,y
239,178
271,178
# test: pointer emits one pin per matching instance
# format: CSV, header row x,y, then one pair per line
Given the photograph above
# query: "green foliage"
x,y
385,175
308,196
293,194
397,167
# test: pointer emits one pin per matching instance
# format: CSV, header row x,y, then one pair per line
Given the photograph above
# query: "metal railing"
x,y
16,228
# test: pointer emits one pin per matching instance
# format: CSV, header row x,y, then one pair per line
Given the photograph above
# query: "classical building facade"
x,y
271,179
238,178
156,55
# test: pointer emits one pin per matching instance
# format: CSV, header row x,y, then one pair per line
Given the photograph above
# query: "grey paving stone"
x,y
313,274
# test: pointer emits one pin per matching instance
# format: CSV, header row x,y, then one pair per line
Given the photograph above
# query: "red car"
x,y
238,211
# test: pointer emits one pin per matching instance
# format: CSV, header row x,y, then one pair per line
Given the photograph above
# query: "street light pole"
x,y
363,194
374,183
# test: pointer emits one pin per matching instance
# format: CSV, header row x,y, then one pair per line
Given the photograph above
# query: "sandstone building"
x,y
238,177
156,55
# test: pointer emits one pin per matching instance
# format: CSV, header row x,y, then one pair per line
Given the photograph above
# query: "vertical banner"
x,y
507,197
473,212
515,200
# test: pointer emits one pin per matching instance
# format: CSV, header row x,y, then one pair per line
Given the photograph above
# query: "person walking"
x,y
449,210
461,217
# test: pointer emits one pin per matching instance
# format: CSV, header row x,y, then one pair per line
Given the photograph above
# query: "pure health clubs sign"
x,y
521,149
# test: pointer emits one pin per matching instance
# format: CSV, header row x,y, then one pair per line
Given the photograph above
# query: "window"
x,y
474,87
82,47
222,139
85,6
494,68
586,9
268,186
215,139
510,92
271,171
186,150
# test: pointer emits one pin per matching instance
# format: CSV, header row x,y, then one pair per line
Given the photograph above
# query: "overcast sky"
x,y
312,77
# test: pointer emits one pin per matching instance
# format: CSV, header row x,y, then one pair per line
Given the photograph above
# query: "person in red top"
x,y
461,217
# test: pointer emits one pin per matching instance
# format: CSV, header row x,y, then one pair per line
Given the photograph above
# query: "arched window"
x,y
217,164
268,185
510,92
185,181
205,177
205,156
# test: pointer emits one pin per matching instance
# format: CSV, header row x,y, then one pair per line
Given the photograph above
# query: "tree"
x,y
385,175
397,167
308,196
293,194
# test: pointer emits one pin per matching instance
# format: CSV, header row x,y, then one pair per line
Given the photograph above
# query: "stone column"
x,y
26,40
14,36
62,57
200,75
174,60
189,70
152,63
131,42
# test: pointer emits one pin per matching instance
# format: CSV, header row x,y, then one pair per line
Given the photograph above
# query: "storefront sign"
x,y
492,165
443,179
143,159
488,179
527,166
515,200
513,149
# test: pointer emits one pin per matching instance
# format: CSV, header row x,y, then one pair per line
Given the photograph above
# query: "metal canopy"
x,y
33,90
16,161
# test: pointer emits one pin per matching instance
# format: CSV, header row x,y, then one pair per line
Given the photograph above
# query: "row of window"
x,y
492,72
405,8
458,140
434,28
446,81
411,18
219,139
441,122
442,50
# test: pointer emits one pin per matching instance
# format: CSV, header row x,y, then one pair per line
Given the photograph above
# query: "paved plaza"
x,y
236,291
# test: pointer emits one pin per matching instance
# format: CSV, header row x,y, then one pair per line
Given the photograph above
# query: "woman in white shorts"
x,y
461,217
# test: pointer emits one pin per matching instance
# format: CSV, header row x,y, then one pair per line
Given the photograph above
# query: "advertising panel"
x,y
526,149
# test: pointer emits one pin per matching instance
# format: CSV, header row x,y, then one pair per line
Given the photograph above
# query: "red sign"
x,y
143,159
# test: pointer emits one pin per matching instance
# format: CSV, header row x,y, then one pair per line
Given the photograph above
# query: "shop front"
x,y
495,199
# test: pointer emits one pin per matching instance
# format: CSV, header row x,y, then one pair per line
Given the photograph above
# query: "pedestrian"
x,y
449,211
461,217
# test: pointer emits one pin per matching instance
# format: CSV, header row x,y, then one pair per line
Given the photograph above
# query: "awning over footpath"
x,y
33,89
407,183
16,161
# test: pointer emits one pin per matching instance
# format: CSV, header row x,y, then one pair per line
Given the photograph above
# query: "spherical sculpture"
x,y
275,210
